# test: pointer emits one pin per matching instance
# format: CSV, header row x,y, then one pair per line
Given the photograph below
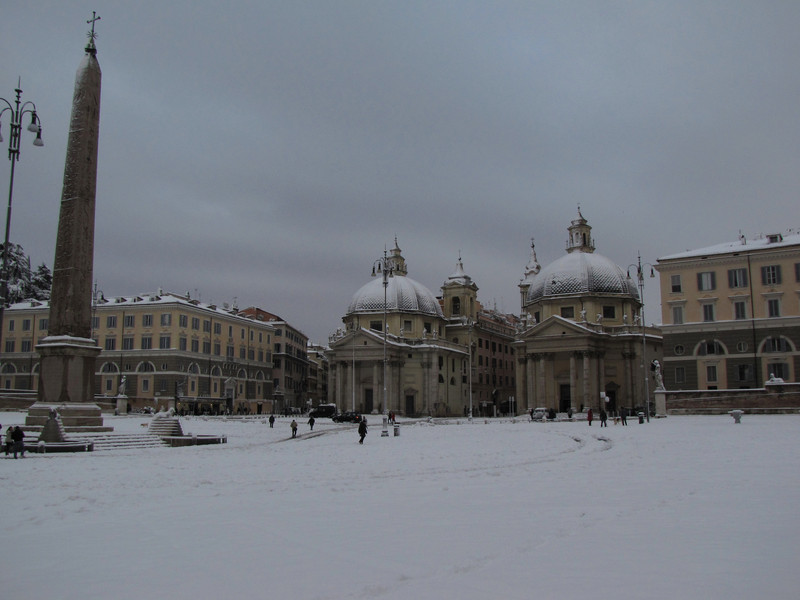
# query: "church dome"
x,y
403,294
581,273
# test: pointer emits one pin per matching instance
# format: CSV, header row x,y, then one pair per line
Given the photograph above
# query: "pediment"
x,y
555,326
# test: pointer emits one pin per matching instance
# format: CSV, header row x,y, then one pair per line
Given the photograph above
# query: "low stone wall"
x,y
774,398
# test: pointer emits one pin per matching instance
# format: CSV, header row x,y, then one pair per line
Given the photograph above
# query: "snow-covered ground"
x,y
683,507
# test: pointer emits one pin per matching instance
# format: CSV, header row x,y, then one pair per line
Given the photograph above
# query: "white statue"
x,y
122,385
656,366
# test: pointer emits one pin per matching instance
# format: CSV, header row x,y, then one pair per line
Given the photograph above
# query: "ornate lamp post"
x,y
385,268
18,111
640,282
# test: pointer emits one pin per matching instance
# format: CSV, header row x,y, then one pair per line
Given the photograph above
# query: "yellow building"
x,y
731,313
156,348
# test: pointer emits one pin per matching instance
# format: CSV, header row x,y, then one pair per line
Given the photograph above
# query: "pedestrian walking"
x,y
311,423
623,414
362,430
589,417
294,428
271,421
19,441
603,418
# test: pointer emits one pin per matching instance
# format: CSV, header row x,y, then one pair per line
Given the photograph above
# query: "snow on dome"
x,y
403,294
581,273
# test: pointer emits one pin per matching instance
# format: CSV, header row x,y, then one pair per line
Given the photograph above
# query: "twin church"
x,y
579,342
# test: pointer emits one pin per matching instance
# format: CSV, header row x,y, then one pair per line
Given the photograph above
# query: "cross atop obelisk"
x,y
90,47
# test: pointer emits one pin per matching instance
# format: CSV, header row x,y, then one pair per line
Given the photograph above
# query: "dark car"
x,y
346,417
323,410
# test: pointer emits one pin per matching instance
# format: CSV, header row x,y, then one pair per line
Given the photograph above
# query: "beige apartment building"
x,y
159,350
731,313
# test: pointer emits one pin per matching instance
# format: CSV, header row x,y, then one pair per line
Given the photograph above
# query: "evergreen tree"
x,y
22,283
41,282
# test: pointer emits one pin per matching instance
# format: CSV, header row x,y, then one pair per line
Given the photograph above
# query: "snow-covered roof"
x,y
403,294
777,240
581,273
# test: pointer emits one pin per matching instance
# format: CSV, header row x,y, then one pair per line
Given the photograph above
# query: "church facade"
x,y
582,343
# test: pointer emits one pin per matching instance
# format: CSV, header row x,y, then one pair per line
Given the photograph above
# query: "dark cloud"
x,y
269,151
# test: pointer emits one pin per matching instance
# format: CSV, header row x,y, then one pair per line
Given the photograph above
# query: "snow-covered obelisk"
x,y
67,366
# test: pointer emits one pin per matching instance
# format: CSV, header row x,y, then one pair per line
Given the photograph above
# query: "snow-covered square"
x,y
682,507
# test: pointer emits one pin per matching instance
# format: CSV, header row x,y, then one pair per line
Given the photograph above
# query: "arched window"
x,y
456,306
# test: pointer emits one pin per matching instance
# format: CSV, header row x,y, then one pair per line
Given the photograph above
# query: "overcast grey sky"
x,y
268,151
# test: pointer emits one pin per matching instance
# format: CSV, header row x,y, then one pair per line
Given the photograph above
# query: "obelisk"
x,y
67,366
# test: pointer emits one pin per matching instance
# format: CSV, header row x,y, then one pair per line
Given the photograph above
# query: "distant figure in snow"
x,y
603,418
294,428
19,441
311,423
271,421
9,441
590,416
623,414
362,430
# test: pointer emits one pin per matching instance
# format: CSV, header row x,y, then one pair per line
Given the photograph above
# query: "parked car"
x,y
323,410
346,417
538,414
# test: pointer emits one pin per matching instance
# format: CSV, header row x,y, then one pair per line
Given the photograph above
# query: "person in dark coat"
x,y
362,430
19,441
603,418
311,423
623,415
590,416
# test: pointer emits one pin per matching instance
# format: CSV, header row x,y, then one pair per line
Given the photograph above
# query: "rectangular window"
x,y
195,323
407,325
740,310
111,343
568,312
680,375
95,323
127,342
771,275
217,349
26,346
166,319
183,321
145,385
206,347
229,352
797,272
373,325
129,321
677,315
706,281
147,320
111,321
26,324
147,342
609,312
737,278
164,342
774,307
711,373
218,328
675,282
708,312
195,345
182,344
206,326
9,345
44,324
11,325
743,372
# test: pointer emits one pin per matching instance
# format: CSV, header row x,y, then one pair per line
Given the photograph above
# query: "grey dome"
x,y
581,273
403,294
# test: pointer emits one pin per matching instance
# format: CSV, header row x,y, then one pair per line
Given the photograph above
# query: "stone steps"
x,y
125,441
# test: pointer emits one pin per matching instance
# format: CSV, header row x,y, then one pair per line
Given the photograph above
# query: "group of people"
x,y
362,426
623,417
14,441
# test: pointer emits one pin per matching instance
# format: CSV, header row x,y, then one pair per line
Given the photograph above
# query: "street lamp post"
x,y
18,110
640,282
385,267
